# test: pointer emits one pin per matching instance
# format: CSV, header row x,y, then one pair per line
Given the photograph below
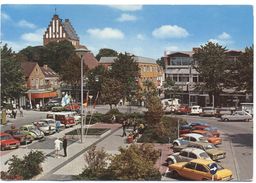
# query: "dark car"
x,y
199,123
185,129
20,136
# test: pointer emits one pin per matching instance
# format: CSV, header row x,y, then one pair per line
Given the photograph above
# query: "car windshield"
x,y
209,146
31,128
219,167
5,137
203,155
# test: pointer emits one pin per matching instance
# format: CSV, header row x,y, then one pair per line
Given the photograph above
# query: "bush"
x,y
96,117
25,168
119,116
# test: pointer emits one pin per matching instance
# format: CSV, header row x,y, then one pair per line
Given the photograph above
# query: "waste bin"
x,y
129,139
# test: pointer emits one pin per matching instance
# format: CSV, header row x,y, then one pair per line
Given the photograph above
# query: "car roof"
x,y
202,161
193,149
193,135
2,134
27,125
200,131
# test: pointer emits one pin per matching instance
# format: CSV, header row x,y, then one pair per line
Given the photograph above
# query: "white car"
x,y
189,137
44,127
186,155
52,122
196,110
237,116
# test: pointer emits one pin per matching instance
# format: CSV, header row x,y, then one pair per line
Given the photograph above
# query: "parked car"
x,y
187,154
186,138
57,109
224,111
214,152
213,130
52,122
210,137
183,109
199,169
170,105
32,131
44,127
208,111
66,118
20,136
8,142
237,116
199,123
72,107
195,110
184,129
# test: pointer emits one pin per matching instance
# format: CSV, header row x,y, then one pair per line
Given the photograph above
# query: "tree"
x,y
211,64
106,52
12,77
245,70
125,70
170,88
111,91
27,168
134,163
96,165
160,62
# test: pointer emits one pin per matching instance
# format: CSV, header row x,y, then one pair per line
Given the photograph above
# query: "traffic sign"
x,y
213,168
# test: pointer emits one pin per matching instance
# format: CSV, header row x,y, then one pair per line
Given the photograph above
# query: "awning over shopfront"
x,y
43,95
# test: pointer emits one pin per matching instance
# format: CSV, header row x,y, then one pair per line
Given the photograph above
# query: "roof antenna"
x,y
55,10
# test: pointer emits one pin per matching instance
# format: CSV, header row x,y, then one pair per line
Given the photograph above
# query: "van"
x,y
65,118
224,111
195,110
171,105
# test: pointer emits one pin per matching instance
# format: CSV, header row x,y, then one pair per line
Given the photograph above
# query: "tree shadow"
x,y
241,140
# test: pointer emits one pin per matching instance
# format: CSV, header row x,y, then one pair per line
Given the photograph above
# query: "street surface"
x,y
237,141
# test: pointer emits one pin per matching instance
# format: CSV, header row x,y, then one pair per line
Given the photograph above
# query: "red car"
x,y
183,109
8,142
184,129
18,135
72,107
213,130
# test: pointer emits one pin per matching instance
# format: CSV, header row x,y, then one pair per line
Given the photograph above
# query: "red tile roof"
x,y
28,67
90,60
48,72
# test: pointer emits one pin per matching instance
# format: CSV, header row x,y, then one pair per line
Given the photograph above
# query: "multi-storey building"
x,y
179,66
58,31
42,83
149,69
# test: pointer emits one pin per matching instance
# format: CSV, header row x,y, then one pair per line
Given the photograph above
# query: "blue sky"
x,y
144,30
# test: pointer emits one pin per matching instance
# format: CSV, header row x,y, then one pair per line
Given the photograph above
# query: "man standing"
x,y
21,111
57,143
65,144
124,128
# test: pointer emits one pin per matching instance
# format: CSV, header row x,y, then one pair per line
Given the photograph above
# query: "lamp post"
x,y
80,52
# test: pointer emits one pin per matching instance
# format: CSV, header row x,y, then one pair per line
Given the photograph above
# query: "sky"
x,y
143,30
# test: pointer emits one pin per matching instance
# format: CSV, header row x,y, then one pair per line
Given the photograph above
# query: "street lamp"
x,y
80,52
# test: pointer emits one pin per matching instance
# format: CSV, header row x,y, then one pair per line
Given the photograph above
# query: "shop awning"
x,y
44,95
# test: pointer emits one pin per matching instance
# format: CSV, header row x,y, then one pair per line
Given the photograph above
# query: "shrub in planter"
x,y
97,117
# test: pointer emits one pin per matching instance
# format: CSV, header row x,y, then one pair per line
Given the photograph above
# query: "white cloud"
x,y
34,37
106,33
126,17
170,31
127,7
224,36
171,48
4,16
140,37
26,24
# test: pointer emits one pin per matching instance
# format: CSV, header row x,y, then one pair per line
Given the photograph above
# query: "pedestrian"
x,y
57,126
134,124
124,128
21,111
64,145
113,119
57,143
14,113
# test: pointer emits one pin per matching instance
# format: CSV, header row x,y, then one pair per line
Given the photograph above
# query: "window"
x,y
184,153
184,78
190,165
201,168
203,155
193,139
195,78
192,155
175,77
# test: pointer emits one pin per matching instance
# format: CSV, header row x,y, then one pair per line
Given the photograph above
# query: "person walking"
x,y
57,143
21,111
57,124
64,145
15,113
124,128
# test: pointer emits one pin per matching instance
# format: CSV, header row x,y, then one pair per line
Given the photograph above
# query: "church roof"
x,y
28,67
71,33
90,60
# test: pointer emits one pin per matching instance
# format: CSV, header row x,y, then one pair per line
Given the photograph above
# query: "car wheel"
x,y
175,174
175,144
205,179
170,161
225,119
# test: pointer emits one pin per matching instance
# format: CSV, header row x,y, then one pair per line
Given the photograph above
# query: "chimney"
x,y
45,67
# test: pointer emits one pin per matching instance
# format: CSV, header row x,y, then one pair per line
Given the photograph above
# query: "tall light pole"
x,y
80,52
